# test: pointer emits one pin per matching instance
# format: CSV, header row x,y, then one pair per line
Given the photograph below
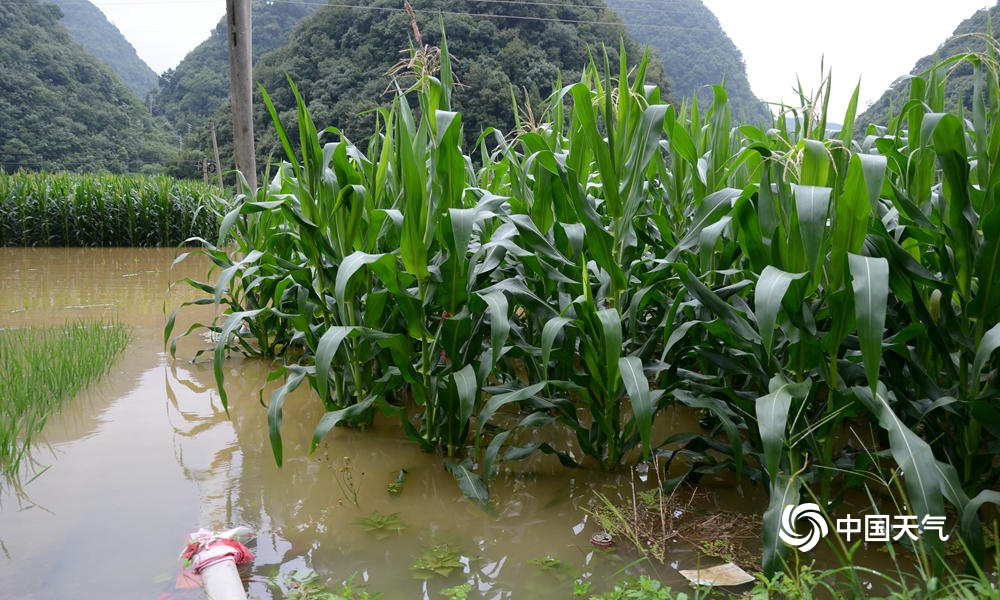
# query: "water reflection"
x,y
104,508
150,454
304,518
39,285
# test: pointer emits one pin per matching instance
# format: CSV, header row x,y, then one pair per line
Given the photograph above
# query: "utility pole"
x,y
241,87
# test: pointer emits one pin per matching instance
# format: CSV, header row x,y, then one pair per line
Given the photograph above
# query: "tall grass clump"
x,y
65,209
42,367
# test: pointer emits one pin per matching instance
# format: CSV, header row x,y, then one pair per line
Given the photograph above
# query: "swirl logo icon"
x,y
818,527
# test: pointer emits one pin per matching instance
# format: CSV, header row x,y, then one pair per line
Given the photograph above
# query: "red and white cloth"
x,y
206,548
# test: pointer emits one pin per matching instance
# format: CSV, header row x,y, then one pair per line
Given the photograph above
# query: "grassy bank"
x,y
42,367
65,209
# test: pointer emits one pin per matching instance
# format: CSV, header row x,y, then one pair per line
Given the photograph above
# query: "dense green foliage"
x,y
972,36
340,57
695,50
192,93
61,108
46,209
622,257
41,368
91,29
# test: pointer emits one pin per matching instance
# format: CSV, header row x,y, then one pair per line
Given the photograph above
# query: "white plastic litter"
x,y
722,575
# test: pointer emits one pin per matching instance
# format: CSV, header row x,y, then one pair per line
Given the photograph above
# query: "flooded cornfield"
x,y
798,330
120,477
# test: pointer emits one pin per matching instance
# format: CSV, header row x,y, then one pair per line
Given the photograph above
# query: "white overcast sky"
x,y
873,41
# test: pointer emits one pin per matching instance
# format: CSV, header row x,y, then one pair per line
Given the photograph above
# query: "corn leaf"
x,y
326,349
637,387
870,282
470,483
987,345
772,420
812,206
915,460
784,490
771,287
274,409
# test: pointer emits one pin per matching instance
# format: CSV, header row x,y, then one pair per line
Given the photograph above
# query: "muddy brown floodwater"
x,y
136,462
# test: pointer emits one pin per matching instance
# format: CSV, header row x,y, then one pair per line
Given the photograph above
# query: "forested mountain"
x,y
696,51
969,37
61,107
191,93
339,58
91,29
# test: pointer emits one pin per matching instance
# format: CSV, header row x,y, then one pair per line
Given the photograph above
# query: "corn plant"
x,y
943,241
280,254
829,269
581,236
625,254
780,362
366,264
63,209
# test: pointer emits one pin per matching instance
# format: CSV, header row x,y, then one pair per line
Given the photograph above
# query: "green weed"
x,y
382,526
439,560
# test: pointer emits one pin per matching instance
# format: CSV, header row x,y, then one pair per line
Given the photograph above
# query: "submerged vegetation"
x,y
829,305
63,209
42,367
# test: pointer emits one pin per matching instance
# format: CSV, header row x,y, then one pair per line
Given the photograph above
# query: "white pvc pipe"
x,y
214,556
222,581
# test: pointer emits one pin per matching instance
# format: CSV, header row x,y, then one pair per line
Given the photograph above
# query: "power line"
x,y
526,3
640,12
663,10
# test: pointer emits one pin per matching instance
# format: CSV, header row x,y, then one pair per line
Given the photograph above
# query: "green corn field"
x,y
64,209
618,256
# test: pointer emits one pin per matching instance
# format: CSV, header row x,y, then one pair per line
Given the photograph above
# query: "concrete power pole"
x,y
241,87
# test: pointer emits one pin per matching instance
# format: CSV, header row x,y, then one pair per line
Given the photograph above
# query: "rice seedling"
x,y
64,209
42,367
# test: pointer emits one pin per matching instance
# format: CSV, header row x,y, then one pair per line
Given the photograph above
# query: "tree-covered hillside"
x,y
696,51
969,37
191,93
62,108
340,57
91,29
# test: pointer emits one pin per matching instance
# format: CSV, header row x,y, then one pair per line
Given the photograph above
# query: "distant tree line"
x,y
502,54
971,36
696,51
62,108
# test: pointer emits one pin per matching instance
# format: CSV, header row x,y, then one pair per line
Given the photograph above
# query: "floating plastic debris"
x,y
722,575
